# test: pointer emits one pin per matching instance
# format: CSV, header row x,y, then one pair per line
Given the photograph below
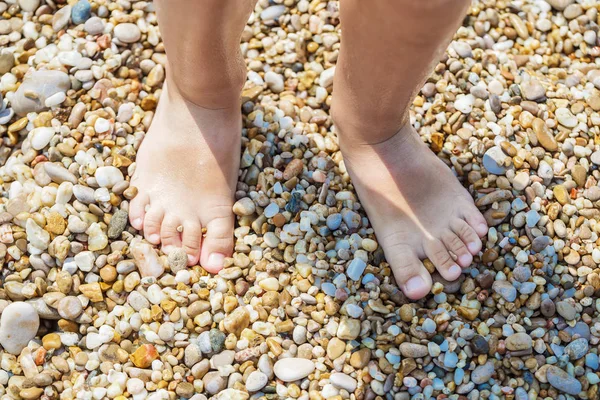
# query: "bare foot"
x,y
417,208
186,174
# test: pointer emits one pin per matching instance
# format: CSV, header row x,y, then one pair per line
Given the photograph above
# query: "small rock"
x,y
293,369
81,12
117,224
42,84
177,259
566,310
506,290
519,341
19,324
413,350
533,90
562,381
144,355
482,373
127,32
256,381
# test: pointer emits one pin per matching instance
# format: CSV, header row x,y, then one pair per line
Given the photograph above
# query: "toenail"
x,y
483,227
191,259
465,258
473,247
154,238
415,284
215,260
137,222
454,270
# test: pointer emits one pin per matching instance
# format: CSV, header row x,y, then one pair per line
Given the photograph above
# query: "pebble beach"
x,y
307,308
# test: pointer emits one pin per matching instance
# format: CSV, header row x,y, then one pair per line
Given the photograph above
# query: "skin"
x,y
413,200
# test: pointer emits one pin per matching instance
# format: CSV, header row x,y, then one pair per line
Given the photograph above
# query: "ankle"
x,y
366,124
209,92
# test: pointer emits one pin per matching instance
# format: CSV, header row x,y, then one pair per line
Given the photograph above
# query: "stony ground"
x,y
307,307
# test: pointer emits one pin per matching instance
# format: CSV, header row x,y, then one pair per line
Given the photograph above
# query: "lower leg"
x,y
416,205
186,168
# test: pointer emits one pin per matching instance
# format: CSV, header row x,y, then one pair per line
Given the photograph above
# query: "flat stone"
x,y
343,381
36,88
413,350
566,310
543,135
577,348
533,90
293,369
562,381
506,290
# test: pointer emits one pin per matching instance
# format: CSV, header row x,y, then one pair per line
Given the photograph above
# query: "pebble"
x,y
256,381
127,32
18,326
81,12
562,381
533,90
566,310
293,369
483,373
94,26
343,381
518,341
506,290
44,84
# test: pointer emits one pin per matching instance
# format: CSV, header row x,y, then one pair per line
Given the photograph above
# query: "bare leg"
x,y
186,168
416,205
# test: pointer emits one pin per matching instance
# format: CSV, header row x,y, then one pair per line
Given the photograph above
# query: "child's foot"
x,y
186,174
417,208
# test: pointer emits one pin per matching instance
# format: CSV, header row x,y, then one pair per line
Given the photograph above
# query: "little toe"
x,y
137,210
440,257
476,220
192,240
458,248
467,235
410,273
170,237
152,222
218,243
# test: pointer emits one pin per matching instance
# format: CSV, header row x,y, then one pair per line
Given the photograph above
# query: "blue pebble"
x,y
444,345
81,12
521,394
328,288
351,218
354,311
277,188
518,204
368,278
393,358
459,374
334,221
592,361
440,298
437,384
429,325
527,288
592,378
450,360
557,349
271,210
355,269
394,330
532,217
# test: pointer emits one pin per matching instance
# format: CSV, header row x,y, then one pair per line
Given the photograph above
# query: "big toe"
x,y
411,275
137,210
217,244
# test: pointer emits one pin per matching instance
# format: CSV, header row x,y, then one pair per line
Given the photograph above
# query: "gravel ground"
x,y
307,307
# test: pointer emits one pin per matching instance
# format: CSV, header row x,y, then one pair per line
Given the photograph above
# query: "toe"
x,y
476,220
410,273
137,210
192,239
218,243
458,248
467,235
152,222
169,235
443,261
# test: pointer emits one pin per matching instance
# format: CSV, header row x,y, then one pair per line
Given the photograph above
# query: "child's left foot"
x,y
416,206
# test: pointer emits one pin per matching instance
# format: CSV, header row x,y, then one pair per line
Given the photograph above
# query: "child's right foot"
x,y
186,173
